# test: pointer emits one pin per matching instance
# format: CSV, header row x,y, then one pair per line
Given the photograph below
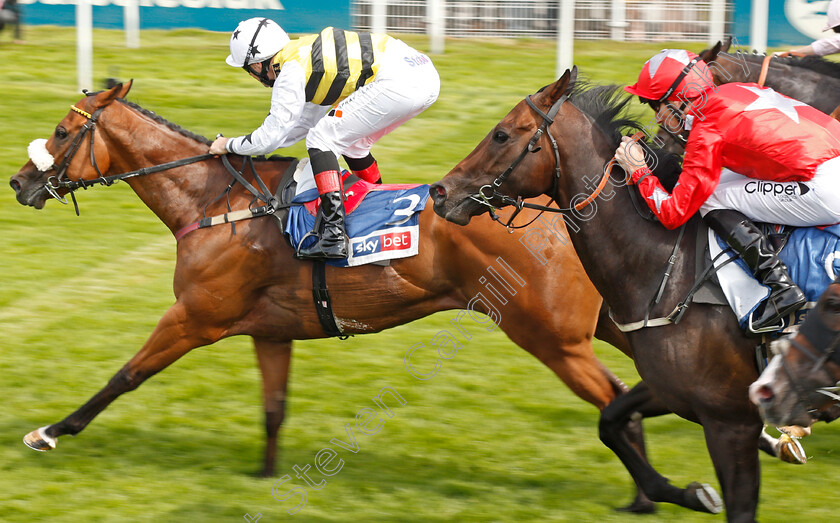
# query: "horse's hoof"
x,y
791,451
38,440
708,498
795,431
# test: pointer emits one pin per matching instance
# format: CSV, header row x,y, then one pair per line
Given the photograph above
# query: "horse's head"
x,y
503,162
70,154
800,384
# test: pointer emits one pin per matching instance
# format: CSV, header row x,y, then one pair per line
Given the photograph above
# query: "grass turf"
x,y
493,437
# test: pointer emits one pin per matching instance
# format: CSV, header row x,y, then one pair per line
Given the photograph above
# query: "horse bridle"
x,y
488,192
60,179
518,203
825,342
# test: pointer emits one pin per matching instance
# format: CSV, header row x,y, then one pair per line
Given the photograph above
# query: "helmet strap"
x,y
680,135
679,79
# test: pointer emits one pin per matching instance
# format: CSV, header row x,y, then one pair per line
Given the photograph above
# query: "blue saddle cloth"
x,y
384,226
812,257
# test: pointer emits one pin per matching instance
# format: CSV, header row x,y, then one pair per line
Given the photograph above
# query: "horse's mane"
x,y
607,106
189,134
159,119
818,64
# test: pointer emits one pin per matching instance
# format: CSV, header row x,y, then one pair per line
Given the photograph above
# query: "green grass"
x,y
493,437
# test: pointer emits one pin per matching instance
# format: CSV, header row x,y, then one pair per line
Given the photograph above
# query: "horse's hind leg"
x,y
274,358
171,339
640,402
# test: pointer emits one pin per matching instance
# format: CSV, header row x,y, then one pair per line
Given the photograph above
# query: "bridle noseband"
x,y
60,179
490,191
825,342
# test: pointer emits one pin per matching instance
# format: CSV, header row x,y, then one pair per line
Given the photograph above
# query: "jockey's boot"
x,y
754,247
332,238
365,168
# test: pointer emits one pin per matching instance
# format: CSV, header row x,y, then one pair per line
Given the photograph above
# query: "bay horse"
x,y
800,385
810,79
557,142
249,283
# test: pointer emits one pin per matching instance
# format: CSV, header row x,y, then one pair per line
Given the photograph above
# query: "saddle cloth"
x,y
812,257
382,220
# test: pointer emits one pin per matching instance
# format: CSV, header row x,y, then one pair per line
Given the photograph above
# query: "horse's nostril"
x,y
765,393
15,185
438,191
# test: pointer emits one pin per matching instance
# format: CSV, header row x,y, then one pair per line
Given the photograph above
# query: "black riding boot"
x,y
747,239
332,238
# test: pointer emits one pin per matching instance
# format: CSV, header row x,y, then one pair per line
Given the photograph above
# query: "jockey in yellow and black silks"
x,y
375,83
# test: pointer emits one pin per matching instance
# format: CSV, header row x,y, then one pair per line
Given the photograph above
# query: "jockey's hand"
x,y
630,155
218,146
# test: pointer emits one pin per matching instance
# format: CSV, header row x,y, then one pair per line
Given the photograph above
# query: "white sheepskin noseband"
x,y
39,155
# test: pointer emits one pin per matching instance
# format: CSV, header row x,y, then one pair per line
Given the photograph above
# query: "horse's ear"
x,y
710,55
562,86
125,89
106,97
727,43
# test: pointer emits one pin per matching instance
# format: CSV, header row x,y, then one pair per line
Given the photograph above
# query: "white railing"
x,y
632,20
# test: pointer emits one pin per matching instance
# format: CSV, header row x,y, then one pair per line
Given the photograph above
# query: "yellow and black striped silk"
x,y
336,62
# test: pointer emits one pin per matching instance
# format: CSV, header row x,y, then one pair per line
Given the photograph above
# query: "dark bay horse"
x,y
802,383
810,79
558,142
248,283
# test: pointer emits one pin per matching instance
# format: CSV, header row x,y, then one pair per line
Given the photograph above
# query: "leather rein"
x,y
826,347
60,180
490,191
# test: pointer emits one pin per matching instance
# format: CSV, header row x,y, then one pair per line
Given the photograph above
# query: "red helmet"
x,y
673,74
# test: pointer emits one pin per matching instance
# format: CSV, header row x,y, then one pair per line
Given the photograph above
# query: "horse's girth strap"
x,y
321,296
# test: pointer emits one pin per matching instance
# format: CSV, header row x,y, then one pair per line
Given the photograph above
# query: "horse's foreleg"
x,y
636,404
734,452
170,340
274,358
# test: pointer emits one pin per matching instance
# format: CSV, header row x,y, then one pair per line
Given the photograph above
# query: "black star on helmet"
x,y
254,51
236,34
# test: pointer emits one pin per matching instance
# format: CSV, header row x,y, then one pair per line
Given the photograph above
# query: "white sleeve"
x,y
827,45
308,118
288,99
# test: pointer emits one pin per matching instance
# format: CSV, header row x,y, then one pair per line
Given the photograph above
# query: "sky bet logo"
x,y
391,241
782,191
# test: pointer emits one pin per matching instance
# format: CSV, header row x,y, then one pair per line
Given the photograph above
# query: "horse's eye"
x,y
500,137
60,133
832,304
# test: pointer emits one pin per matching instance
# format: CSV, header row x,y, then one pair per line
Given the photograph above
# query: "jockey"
x,y
787,152
377,82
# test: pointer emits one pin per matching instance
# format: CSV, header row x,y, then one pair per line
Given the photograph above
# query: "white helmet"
x,y
833,15
255,40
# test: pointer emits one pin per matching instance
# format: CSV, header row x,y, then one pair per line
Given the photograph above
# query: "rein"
x,y
60,180
484,197
765,65
825,342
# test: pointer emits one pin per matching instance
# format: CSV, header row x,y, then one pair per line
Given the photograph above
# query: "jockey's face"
x,y
255,69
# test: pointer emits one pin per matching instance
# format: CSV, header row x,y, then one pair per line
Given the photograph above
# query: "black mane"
x,y
818,64
607,106
189,134
177,128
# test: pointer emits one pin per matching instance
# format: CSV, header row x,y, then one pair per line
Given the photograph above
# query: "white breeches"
x,y
801,204
407,84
